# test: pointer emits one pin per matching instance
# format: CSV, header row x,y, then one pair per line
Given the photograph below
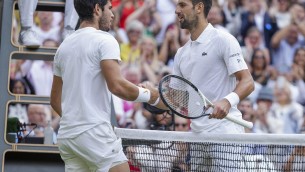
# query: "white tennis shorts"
x,y
217,157
97,149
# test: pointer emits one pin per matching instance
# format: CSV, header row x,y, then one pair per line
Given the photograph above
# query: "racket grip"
x,y
239,121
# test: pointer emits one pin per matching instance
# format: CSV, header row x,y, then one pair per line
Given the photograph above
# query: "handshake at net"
x,y
153,92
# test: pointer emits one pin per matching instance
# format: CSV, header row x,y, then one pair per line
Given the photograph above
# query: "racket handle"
x,y
239,121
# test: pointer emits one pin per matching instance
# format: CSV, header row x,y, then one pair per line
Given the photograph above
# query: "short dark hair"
x,y
207,5
84,8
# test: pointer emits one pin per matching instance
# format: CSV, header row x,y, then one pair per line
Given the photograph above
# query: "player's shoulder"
x,y
104,35
223,35
223,38
103,38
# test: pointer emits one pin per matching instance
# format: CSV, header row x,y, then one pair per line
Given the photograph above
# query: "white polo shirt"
x,y
210,63
85,95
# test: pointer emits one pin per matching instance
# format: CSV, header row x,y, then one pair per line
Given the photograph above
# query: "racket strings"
x,y
183,98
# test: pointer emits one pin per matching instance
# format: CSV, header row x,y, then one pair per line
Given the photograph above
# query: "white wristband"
x,y
144,95
156,102
233,98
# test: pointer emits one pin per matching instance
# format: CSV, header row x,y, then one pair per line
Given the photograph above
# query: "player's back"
x,y
85,96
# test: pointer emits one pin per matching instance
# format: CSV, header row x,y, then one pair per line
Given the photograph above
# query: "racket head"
x,y
182,97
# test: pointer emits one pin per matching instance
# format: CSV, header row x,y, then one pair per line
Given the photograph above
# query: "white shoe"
x,y
66,33
28,38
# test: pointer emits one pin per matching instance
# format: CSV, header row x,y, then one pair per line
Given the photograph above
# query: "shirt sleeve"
x,y
109,49
233,56
56,66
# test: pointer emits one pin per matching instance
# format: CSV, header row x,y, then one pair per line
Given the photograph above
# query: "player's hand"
x,y
221,109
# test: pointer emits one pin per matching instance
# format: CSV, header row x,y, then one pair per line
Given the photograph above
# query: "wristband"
x,y
156,102
233,98
144,95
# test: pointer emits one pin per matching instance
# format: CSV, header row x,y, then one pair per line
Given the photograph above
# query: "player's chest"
x,y
198,58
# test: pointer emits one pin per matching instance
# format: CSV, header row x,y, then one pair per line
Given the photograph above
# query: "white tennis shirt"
x,y
85,96
210,63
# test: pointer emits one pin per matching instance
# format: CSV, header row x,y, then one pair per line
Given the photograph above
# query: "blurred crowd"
x,y
271,34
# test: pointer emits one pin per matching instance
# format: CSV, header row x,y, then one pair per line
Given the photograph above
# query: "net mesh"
x,y
150,150
181,97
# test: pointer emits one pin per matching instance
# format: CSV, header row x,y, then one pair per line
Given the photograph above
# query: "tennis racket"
x,y
186,100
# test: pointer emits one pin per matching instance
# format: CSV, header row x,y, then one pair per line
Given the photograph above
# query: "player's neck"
x,y
86,23
196,31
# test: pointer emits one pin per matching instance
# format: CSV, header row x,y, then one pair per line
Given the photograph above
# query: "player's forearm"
x,y
130,92
124,90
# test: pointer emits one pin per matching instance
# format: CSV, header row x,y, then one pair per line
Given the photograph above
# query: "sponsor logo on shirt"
x,y
234,55
204,54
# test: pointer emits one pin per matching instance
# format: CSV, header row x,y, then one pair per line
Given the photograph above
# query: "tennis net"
x,y
160,151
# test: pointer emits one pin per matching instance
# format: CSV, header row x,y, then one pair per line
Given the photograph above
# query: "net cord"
x,y
245,138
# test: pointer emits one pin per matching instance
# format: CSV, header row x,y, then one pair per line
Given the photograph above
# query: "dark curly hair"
x,y
84,8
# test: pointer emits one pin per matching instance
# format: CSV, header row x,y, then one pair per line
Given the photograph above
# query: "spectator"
x,y
252,41
287,40
130,51
149,61
280,11
16,74
148,15
181,163
232,10
39,75
124,9
246,108
166,9
170,44
297,74
293,163
263,104
46,30
285,115
256,15
161,121
181,124
216,18
284,44
298,16
28,36
36,114
260,70
18,86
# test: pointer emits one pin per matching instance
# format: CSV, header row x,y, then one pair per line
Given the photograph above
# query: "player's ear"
x,y
199,7
97,9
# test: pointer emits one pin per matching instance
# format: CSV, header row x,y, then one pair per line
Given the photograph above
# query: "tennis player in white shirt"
x,y
212,60
86,72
